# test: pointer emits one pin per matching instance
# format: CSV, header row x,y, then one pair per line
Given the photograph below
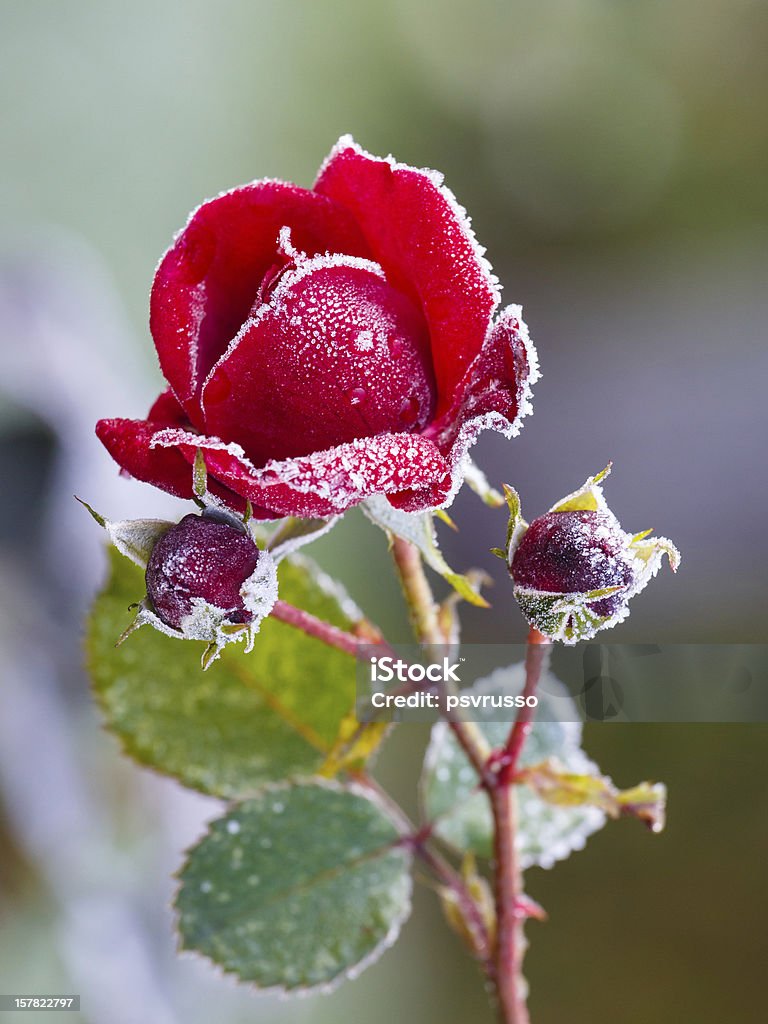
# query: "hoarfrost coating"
x,y
324,346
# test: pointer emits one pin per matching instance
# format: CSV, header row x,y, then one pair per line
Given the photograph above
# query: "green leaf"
x,y
419,529
299,887
546,833
200,476
251,718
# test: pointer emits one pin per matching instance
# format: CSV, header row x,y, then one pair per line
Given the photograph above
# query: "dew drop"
x,y
233,827
205,887
356,395
218,388
410,411
395,346
196,250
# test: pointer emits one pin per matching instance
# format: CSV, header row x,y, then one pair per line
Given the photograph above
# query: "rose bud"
x,y
206,578
323,346
574,569
204,560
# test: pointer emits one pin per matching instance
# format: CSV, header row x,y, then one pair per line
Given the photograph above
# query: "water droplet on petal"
x,y
218,388
196,249
356,395
395,346
410,411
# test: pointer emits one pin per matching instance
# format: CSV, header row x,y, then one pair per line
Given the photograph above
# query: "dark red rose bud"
x,y
208,558
575,552
574,568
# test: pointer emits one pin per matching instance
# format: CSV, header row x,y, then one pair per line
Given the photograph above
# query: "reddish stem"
x,y
510,899
536,657
317,628
510,917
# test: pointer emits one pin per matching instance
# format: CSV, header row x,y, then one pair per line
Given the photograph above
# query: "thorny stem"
x,y
510,915
443,871
496,779
418,593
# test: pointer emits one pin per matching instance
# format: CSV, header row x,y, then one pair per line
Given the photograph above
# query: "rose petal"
x,y
495,394
322,484
207,281
167,410
421,236
337,354
129,442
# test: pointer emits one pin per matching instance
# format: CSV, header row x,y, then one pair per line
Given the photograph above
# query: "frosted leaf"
x,y
462,816
419,529
328,890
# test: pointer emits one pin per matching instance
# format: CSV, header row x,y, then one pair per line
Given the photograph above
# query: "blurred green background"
x,y
614,157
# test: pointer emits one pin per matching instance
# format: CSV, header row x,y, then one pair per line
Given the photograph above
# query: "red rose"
x,y
325,345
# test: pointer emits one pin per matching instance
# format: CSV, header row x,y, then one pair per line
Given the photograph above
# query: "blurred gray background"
x,y
613,157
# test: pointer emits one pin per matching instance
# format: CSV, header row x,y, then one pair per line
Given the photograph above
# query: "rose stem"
x,y
510,918
426,626
312,626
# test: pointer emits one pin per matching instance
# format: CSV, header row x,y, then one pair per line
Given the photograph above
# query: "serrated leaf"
x,y
297,888
419,529
449,791
251,718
